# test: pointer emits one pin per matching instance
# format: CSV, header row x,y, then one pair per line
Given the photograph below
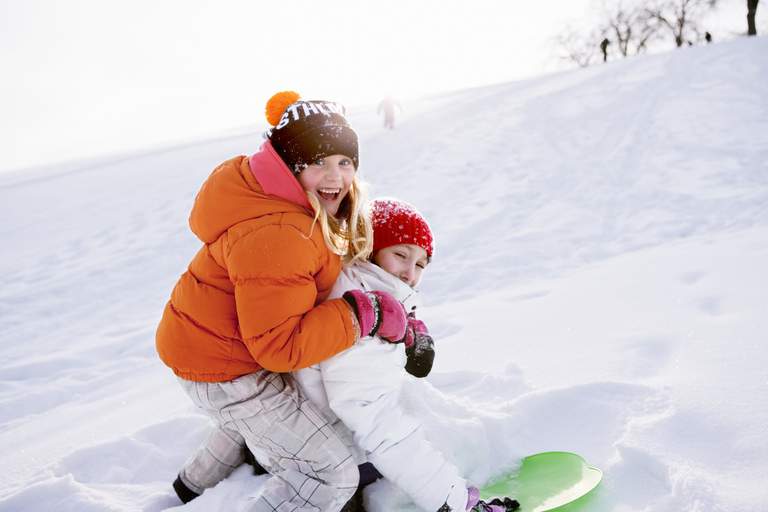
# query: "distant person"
x,y
387,106
707,37
604,48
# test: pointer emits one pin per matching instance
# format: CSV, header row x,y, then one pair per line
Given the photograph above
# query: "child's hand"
x,y
415,329
419,349
379,314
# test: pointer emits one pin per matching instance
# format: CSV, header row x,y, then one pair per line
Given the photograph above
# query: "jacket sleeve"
x,y
272,270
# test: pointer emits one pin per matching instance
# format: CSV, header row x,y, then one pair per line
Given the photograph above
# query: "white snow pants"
x,y
311,468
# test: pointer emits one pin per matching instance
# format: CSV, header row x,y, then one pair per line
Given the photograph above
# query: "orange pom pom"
x,y
278,103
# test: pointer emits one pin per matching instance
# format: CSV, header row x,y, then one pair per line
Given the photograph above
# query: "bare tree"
x,y
680,17
629,26
576,48
751,11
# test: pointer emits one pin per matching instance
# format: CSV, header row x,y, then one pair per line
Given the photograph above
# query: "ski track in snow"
x,y
598,286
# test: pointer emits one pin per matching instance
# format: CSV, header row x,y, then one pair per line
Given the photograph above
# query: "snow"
x,y
598,286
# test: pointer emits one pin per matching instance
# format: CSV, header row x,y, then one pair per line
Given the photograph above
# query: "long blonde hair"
x,y
349,234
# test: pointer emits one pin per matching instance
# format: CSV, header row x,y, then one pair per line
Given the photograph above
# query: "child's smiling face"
x,y
404,261
330,179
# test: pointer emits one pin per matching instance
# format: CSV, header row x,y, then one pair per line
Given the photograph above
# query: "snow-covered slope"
x,y
599,286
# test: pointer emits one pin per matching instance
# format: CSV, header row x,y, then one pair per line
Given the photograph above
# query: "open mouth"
x,y
329,194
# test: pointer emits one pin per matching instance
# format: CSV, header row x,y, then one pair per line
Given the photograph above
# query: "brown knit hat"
x,y
304,131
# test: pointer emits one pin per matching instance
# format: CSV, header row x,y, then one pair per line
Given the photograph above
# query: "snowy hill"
x,y
599,286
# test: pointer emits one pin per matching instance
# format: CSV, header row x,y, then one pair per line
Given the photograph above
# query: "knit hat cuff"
x,y
305,147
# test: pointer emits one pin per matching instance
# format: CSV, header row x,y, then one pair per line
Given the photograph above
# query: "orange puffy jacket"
x,y
253,295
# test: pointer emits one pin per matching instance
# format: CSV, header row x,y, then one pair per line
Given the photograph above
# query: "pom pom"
x,y
278,103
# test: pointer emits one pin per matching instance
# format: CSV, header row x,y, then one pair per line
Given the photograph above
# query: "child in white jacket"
x,y
358,389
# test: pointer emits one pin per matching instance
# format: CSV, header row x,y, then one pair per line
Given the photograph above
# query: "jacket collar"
x,y
372,277
274,176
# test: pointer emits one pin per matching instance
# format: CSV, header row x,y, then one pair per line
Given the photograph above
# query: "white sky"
x,y
83,78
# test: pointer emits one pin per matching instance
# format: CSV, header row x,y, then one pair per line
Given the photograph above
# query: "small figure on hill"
x,y
387,105
707,37
604,48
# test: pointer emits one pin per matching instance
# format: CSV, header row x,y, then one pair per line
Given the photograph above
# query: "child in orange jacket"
x,y
252,305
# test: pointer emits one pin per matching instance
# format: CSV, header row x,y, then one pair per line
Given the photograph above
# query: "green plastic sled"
x,y
559,481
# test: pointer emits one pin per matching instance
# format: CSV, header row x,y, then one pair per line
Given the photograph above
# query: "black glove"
x,y
421,355
419,348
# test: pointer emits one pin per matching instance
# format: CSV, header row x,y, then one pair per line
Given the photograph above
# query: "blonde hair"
x,y
349,235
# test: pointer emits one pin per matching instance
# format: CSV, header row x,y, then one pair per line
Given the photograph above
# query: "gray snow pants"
x,y
311,468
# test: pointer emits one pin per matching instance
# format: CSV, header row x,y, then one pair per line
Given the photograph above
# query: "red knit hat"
x,y
397,222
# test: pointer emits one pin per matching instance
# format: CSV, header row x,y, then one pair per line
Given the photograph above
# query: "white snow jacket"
x,y
361,386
